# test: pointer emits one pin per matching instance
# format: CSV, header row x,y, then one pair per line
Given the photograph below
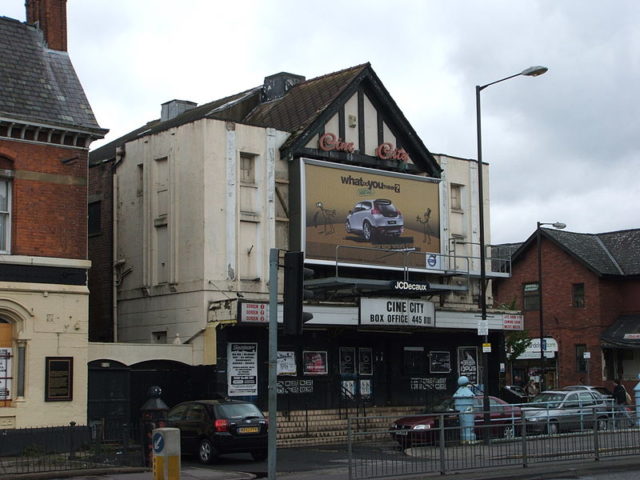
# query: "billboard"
x,y
350,213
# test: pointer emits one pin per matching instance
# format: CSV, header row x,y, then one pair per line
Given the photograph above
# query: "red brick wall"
x,y
51,15
49,214
605,300
101,256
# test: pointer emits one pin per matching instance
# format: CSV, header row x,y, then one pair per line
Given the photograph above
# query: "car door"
x,y
175,419
570,413
361,212
193,426
587,406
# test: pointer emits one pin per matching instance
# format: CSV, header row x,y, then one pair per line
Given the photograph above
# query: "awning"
x,y
624,333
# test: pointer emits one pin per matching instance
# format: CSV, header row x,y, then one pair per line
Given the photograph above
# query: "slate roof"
x,y
301,107
612,253
39,85
624,332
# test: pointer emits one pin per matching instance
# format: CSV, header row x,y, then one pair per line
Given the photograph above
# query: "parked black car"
x,y
209,428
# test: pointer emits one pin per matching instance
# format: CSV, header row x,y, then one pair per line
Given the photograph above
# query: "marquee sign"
x,y
397,312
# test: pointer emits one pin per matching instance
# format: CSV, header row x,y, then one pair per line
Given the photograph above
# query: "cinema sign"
x,y
329,142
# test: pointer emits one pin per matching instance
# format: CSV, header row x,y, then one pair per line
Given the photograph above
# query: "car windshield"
x,y
446,405
385,207
238,410
547,400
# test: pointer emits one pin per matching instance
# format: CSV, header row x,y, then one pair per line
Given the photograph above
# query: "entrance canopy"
x,y
624,333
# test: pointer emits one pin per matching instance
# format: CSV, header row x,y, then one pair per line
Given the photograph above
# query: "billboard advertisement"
x,y
350,213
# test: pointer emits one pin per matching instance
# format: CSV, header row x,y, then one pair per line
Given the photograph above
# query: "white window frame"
x,y
6,214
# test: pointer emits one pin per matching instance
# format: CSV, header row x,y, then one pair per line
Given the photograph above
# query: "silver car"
x,y
555,411
371,218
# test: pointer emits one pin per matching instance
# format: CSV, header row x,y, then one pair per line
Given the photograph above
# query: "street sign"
x,y
483,327
486,348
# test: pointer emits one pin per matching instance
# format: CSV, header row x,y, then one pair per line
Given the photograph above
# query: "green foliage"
x,y
516,343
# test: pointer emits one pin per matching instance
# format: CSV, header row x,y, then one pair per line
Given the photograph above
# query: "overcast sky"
x,y
564,146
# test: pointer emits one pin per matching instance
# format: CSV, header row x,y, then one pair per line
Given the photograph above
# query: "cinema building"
x,y
190,205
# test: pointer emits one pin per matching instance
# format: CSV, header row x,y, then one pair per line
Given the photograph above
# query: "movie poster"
x,y
468,363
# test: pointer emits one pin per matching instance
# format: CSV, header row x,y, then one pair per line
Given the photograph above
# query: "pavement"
x,y
547,471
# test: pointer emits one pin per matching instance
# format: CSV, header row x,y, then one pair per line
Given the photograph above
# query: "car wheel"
x,y
367,231
347,226
553,428
602,423
206,451
509,431
259,455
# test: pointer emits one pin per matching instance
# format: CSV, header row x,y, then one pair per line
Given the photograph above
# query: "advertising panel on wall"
x,y
242,373
350,213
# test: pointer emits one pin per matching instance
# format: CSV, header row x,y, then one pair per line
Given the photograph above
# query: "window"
x,y
414,361
94,224
581,362
247,168
5,214
456,197
577,295
530,297
6,354
159,337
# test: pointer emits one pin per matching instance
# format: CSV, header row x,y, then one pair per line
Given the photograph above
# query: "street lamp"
x,y
560,226
528,72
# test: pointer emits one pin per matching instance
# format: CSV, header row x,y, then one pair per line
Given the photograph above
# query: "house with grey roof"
x,y
46,128
591,317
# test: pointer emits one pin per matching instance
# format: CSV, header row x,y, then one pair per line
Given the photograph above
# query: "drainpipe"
x,y
114,240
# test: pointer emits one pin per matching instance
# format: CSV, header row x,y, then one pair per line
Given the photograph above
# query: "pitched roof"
x,y
39,85
611,253
305,105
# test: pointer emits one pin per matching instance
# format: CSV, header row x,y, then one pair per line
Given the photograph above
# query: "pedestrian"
x,y
620,402
532,389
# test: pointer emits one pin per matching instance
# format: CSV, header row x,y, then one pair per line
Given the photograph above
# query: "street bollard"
x,y
166,453
636,394
464,400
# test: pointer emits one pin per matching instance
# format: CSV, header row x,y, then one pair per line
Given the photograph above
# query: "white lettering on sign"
x,y
397,312
415,287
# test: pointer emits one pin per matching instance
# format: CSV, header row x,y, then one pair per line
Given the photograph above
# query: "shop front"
x,y
528,366
386,351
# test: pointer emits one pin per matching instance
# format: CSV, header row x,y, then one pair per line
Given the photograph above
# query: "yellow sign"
x,y
486,348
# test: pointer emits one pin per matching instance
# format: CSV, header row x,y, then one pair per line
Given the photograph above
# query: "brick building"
x,y
591,302
46,127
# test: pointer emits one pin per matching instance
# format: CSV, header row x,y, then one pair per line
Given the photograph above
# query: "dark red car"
x,y
425,429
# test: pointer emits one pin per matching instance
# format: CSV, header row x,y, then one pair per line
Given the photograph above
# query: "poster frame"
x,y
321,369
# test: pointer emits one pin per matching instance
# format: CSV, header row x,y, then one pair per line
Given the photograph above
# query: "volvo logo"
x,y
410,286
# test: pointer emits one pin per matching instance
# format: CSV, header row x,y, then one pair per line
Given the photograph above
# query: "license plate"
x,y
248,430
401,432
392,222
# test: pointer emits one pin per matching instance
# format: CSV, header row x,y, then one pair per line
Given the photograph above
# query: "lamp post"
x,y
528,72
560,226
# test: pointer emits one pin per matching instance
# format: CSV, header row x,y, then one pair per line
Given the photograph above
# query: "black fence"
x,y
71,447
437,443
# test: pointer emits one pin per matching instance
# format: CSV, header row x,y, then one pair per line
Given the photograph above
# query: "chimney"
x,y
277,85
173,108
50,16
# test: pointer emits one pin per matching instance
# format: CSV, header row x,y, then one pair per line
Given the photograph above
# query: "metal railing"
x,y
516,438
287,413
348,398
71,447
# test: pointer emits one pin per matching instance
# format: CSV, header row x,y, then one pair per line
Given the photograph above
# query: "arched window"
x,y
6,357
